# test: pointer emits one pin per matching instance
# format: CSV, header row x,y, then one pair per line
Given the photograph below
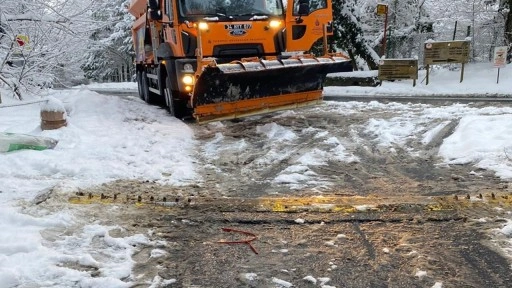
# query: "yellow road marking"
x,y
322,204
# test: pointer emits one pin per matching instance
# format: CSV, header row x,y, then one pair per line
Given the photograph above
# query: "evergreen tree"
x,y
409,25
110,51
349,34
506,6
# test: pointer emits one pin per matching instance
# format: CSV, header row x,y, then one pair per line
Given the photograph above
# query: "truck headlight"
x,y
274,24
188,79
202,26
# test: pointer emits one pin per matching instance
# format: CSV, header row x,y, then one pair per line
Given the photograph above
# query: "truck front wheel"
x,y
176,105
169,101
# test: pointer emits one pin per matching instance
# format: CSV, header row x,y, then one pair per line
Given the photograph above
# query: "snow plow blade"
x,y
240,89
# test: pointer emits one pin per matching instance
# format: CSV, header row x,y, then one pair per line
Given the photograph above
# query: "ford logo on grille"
x,y
237,32
237,29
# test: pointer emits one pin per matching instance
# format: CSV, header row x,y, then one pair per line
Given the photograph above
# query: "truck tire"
x,y
169,99
175,105
147,95
180,109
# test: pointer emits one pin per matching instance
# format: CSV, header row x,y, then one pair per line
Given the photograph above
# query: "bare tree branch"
x,y
13,87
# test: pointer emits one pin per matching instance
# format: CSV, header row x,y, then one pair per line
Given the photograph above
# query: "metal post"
x,y
462,73
383,52
382,9
428,74
455,31
326,49
473,34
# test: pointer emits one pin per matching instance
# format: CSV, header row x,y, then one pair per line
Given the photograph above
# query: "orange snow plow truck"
x,y
226,59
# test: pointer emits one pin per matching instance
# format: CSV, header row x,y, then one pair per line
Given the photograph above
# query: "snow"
x,y
310,278
53,105
112,137
507,229
479,80
300,221
324,280
257,17
281,283
106,137
251,276
386,132
431,134
364,208
160,282
104,141
276,132
420,274
110,86
483,140
155,253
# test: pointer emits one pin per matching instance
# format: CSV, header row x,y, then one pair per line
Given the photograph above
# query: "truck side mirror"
x,y
303,7
154,10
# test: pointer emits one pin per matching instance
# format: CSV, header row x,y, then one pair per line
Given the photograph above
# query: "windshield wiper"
x,y
210,16
256,12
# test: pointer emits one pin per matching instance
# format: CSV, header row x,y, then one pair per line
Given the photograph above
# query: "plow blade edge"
x,y
240,89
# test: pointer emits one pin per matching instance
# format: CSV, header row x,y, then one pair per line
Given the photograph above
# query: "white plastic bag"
x,y
13,141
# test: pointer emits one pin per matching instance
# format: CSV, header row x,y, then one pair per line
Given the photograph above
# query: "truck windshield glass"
x,y
231,7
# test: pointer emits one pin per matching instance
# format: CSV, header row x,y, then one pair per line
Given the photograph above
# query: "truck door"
x,y
305,20
170,31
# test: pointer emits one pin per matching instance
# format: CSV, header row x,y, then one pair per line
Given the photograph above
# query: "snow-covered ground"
x,y
109,138
479,80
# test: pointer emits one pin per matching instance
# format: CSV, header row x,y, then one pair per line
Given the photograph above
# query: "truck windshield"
x,y
231,7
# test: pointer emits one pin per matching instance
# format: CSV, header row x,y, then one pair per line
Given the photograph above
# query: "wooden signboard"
x,y
397,69
382,9
446,52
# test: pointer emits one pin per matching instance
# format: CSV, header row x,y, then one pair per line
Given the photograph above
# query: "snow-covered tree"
x,y
411,22
349,33
360,31
407,21
482,20
408,24
110,51
506,9
39,38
